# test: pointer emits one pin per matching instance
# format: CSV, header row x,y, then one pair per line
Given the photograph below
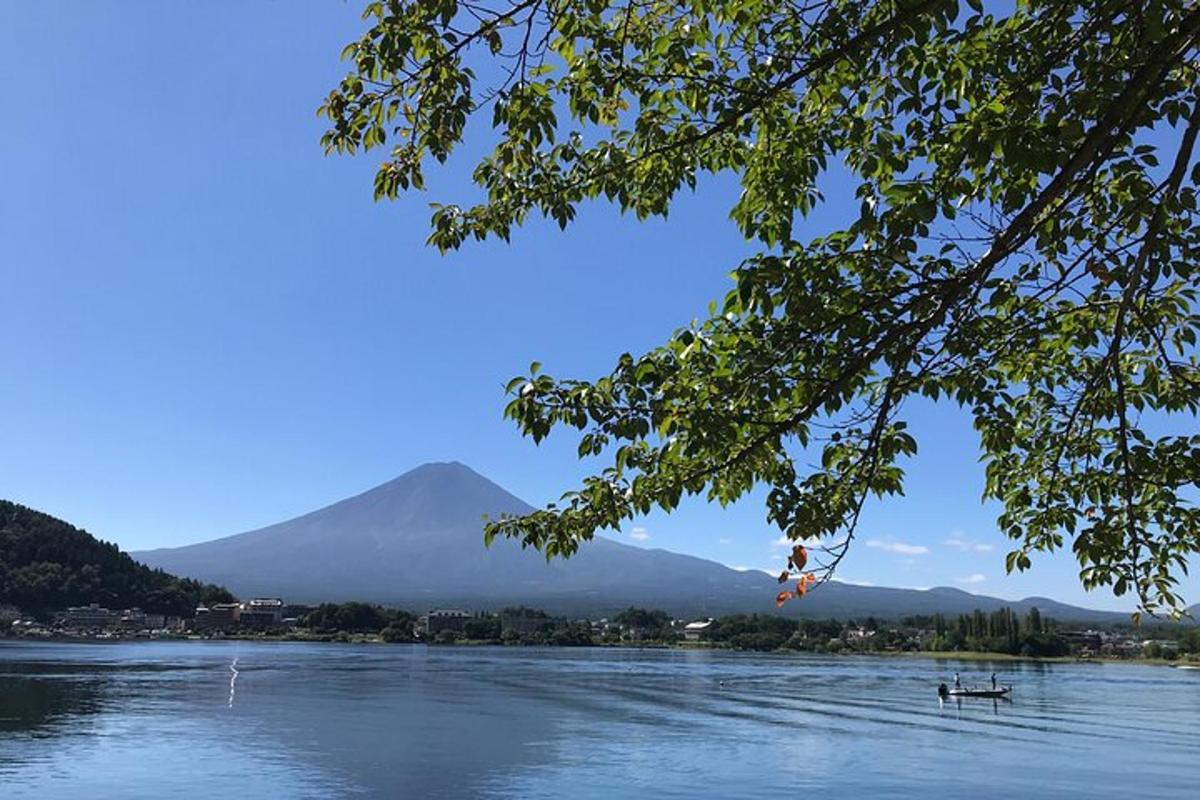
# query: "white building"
x,y
693,630
262,612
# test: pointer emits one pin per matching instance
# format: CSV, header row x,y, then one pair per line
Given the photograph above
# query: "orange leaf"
x,y
810,578
801,587
783,576
782,598
799,557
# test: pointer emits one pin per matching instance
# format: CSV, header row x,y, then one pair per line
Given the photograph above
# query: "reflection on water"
x,y
957,702
233,674
160,720
34,702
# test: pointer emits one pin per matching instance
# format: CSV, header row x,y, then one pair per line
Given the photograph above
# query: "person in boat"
x,y
993,681
957,682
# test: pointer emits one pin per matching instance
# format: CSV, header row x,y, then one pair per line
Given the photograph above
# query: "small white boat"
x,y
1186,666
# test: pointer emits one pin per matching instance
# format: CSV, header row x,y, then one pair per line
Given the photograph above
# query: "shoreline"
x,y
375,639
951,655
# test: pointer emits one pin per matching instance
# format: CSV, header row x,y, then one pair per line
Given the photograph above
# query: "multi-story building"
x,y
1083,640
442,619
261,612
133,619
217,616
136,619
90,616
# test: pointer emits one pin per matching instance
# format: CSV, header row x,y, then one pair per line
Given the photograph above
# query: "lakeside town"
x,y
998,633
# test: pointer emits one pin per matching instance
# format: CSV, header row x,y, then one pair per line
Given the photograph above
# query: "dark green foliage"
x,y
549,630
817,629
47,564
1025,245
523,612
532,626
753,632
1186,637
572,634
644,623
1000,632
763,641
395,625
356,617
1041,645
397,633
482,629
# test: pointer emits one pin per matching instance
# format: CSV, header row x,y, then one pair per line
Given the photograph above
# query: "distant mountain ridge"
x,y
417,541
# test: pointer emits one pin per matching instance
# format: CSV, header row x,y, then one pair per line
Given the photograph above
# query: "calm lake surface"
x,y
289,720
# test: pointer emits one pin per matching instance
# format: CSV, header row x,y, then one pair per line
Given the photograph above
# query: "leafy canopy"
x,y
1025,246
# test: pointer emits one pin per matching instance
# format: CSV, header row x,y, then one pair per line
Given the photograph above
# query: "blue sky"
x,y
208,326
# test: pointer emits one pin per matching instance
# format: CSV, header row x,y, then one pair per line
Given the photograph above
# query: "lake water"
x,y
288,720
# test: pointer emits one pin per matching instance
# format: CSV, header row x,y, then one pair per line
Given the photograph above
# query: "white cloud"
x,y
965,545
901,548
811,544
639,534
977,577
851,582
724,541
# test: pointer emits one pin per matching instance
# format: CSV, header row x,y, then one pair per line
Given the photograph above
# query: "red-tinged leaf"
x,y
783,576
799,557
809,578
782,598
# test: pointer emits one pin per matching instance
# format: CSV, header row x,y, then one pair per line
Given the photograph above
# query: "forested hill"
x,y
47,564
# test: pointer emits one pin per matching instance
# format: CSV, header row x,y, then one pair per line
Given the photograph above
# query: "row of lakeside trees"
x,y
1001,631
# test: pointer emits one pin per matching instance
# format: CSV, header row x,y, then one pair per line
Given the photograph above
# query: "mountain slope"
x,y
47,564
417,541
